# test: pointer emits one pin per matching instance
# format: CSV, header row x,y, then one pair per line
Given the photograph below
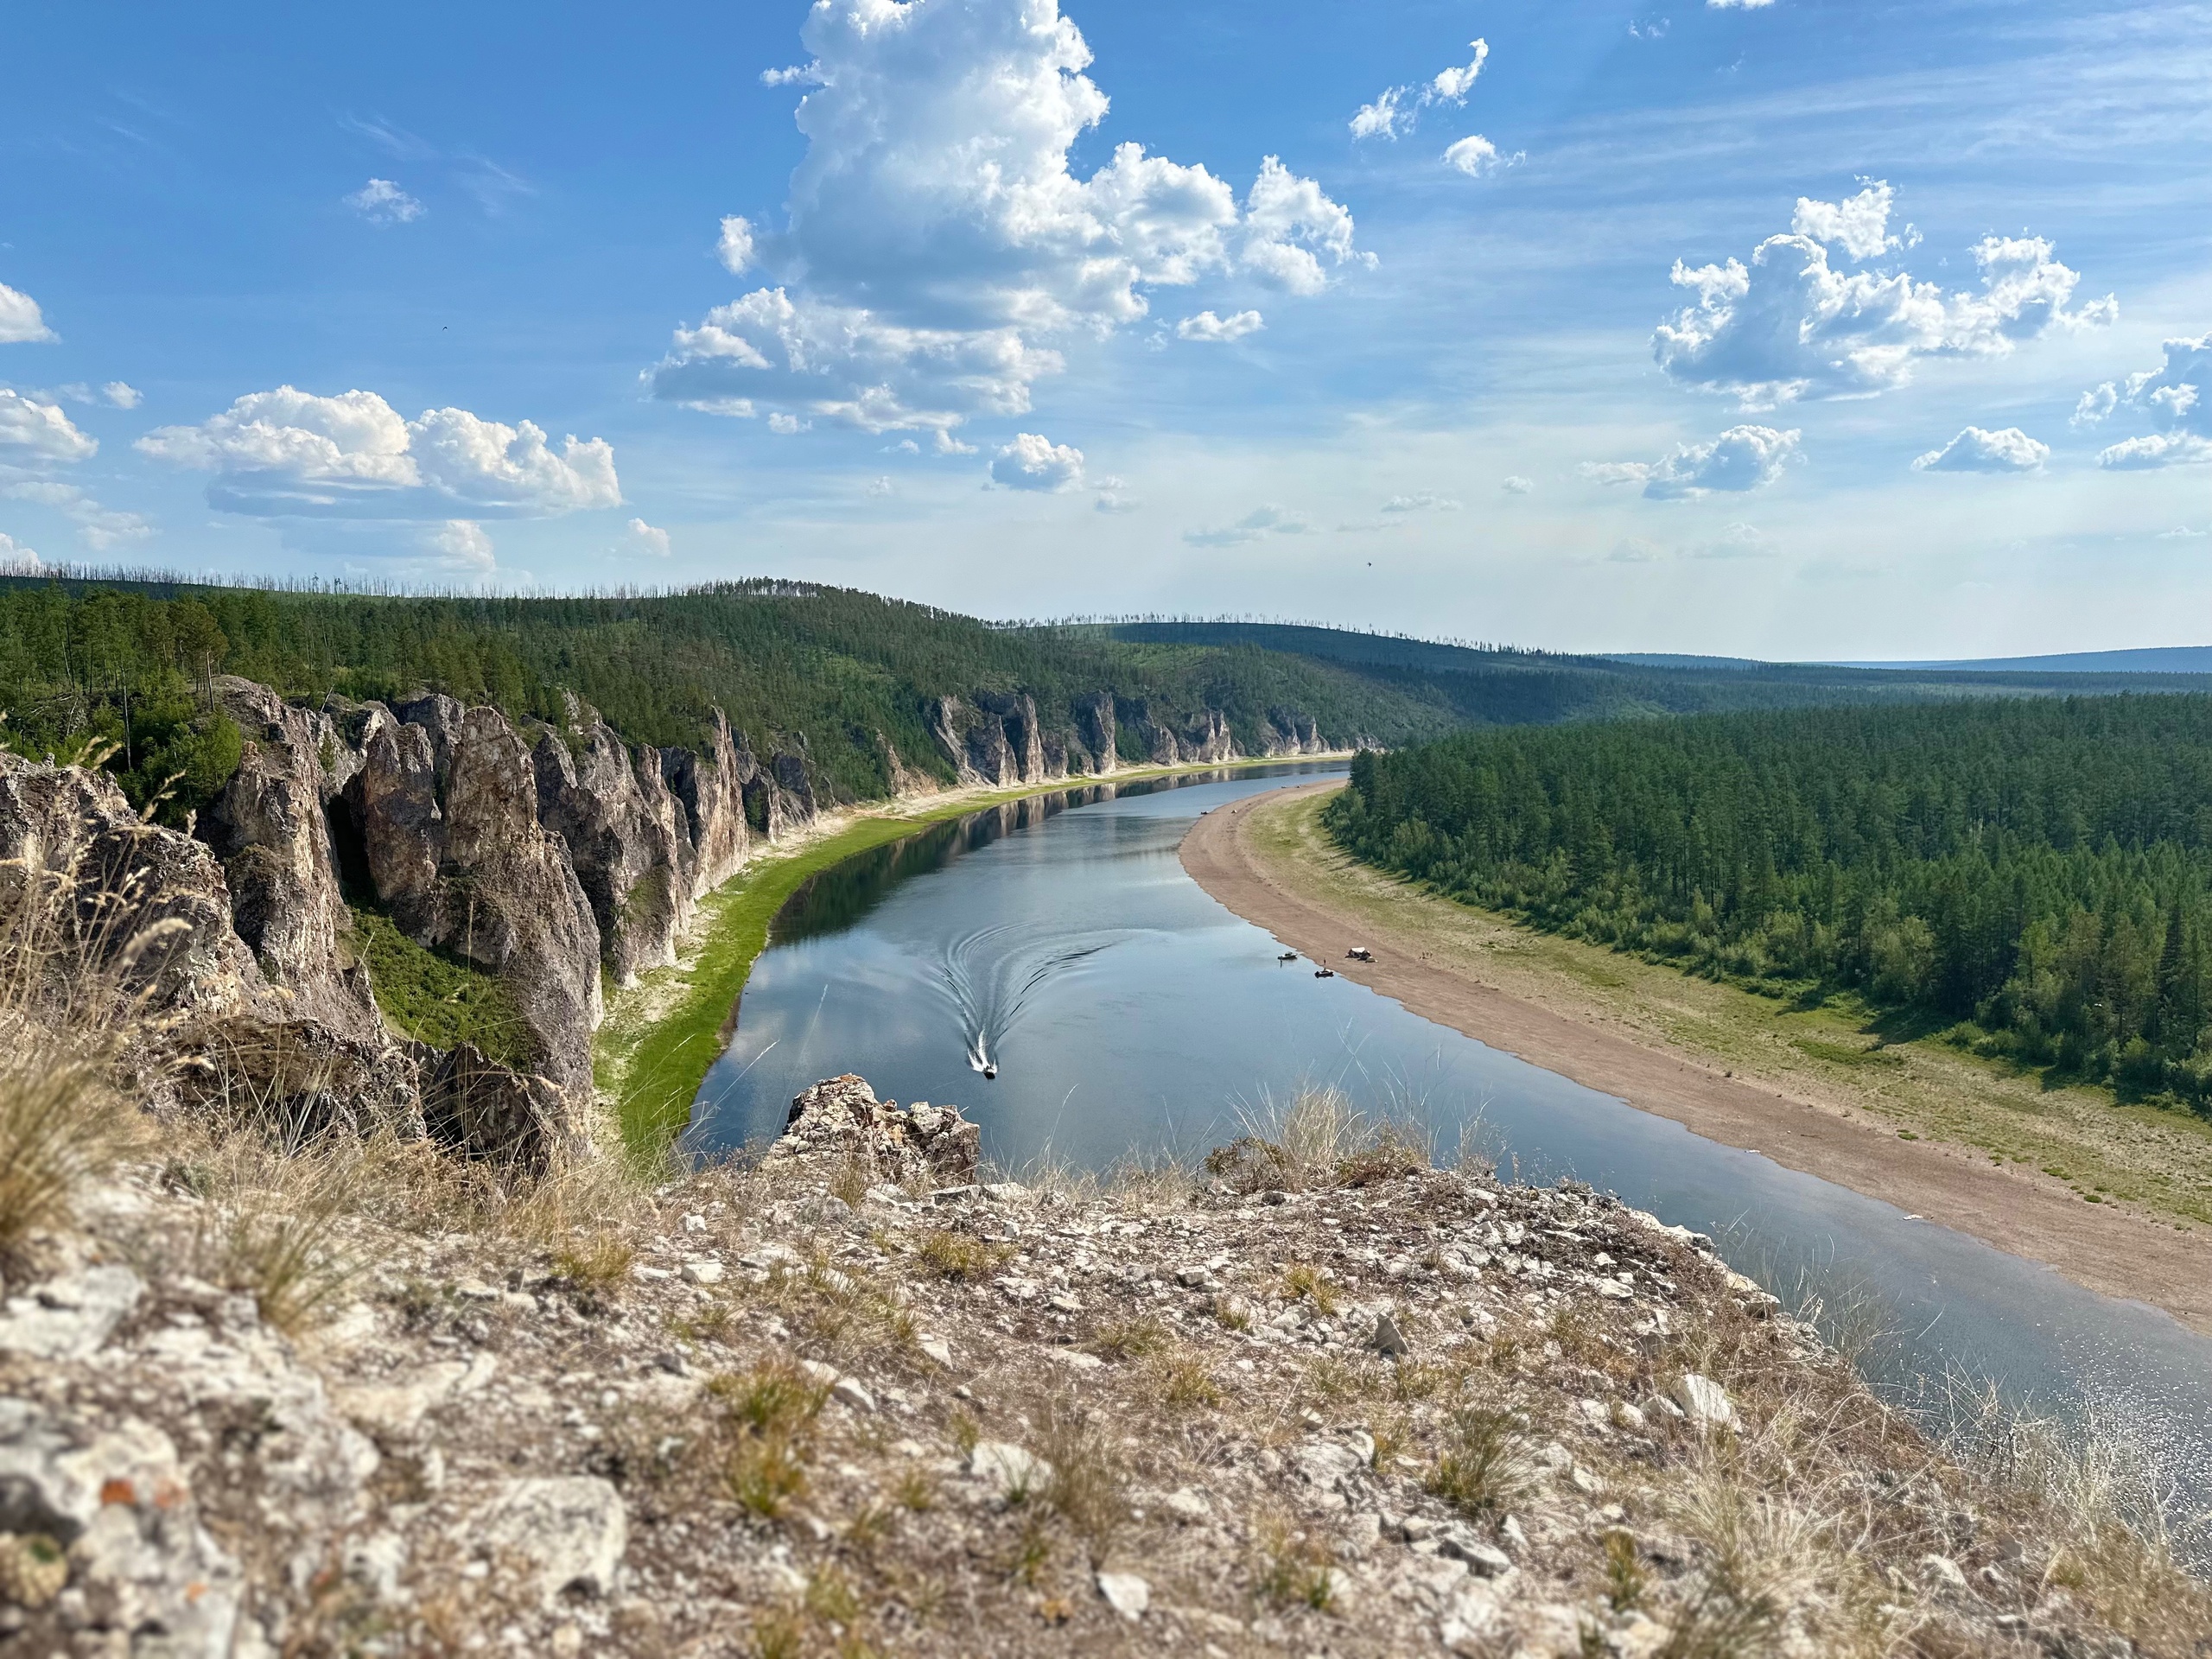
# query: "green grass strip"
x,y
652,1067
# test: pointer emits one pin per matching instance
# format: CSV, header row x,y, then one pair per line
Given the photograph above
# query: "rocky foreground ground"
x,y
1319,1398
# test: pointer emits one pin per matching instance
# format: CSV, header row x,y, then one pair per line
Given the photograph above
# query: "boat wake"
x,y
990,976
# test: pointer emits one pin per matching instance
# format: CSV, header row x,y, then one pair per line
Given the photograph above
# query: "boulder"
x,y
117,1499
841,1119
482,1110
563,1536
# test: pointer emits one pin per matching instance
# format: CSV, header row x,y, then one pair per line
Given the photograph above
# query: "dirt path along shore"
x,y
1320,911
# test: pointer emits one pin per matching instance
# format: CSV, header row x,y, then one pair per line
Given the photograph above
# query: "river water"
x,y
1128,1012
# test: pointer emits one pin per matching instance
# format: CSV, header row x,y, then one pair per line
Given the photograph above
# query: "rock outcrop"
x,y
448,808
625,835
1288,732
270,827
1207,739
841,1119
1095,731
710,788
141,912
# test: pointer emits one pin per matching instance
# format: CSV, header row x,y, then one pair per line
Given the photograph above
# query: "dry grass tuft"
x,y
1182,1382
1132,1337
1483,1467
771,1409
1291,1569
60,1126
1318,1140
1303,1281
957,1257
276,1235
1089,1487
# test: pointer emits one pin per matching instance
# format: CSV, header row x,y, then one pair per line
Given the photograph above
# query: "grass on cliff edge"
x,y
661,1037
2160,1162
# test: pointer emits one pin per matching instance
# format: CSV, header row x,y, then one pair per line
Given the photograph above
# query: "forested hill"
x,y
826,671
2042,868
1507,685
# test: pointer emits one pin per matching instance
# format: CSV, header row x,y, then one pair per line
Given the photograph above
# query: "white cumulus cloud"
x,y
1858,225
1789,325
18,560
642,540
939,245
734,248
1475,156
1517,485
1207,326
1035,463
1424,501
1976,450
20,320
462,543
1396,110
287,452
1742,458
1739,5
381,202
2177,394
41,431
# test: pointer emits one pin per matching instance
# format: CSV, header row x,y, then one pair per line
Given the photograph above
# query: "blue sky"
x,y
1378,326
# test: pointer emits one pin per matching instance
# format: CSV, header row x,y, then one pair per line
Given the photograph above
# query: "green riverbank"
x,y
662,1035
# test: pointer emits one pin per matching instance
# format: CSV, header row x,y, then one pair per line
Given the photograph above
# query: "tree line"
x,y
128,666
2038,872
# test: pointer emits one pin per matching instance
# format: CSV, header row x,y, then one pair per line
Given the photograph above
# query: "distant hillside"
x,y
2149,659
1509,686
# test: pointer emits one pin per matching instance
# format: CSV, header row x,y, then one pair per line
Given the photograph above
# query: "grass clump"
x,y
1132,1337
959,1258
1482,1469
279,1239
1182,1382
1318,1140
1292,1570
771,1409
1302,1281
60,1126
1088,1487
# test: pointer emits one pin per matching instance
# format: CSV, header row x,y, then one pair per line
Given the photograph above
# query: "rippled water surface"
x,y
1059,940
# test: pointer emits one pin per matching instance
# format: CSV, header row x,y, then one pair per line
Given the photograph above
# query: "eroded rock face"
x,y
145,905
394,802
1288,732
1094,725
271,826
841,1118
711,789
622,827
1209,738
509,900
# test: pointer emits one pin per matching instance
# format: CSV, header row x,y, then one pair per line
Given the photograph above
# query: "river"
x,y
1127,1013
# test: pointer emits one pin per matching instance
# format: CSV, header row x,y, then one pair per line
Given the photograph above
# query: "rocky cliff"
x,y
550,858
